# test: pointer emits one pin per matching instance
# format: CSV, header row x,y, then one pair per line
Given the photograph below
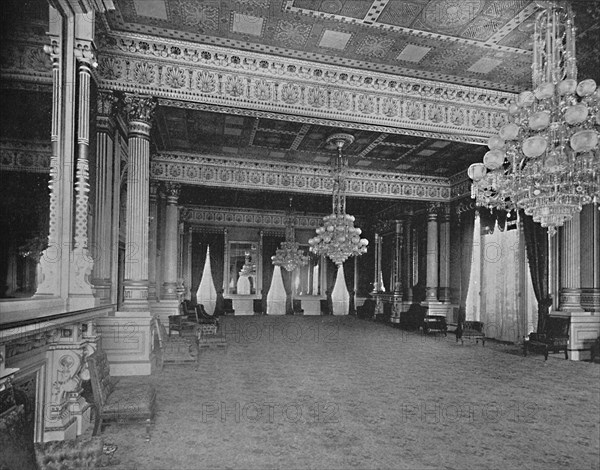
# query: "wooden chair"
x,y
176,349
366,310
297,307
325,307
228,307
554,339
257,307
471,330
435,324
118,400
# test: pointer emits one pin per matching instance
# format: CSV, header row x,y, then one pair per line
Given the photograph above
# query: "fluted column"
x,y
377,258
408,259
444,291
152,221
397,260
432,253
169,287
102,240
570,292
139,111
590,258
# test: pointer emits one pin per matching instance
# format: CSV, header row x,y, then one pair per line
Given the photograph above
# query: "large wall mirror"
x,y
242,277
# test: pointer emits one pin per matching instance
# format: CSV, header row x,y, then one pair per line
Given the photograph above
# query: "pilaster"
x,y
169,287
50,259
444,258
105,157
153,222
590,258
408,259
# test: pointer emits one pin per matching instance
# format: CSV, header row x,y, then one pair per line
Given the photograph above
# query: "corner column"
x,y
139,110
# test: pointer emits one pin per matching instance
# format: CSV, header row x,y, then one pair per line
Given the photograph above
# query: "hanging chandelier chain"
x,y
337,238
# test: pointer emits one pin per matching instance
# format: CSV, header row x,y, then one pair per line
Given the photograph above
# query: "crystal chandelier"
x,y
338,238
290,255
546,159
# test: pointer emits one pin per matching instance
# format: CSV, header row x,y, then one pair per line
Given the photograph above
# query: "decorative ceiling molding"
x,y
221,216
226,172
25,62
229,77
464,138
32,157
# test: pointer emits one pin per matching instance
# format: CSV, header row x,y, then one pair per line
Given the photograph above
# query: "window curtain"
x,y
500,285
287,277
467,229
270,245
349,277
200,241
536,244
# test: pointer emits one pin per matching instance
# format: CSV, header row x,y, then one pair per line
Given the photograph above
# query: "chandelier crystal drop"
x,y
337,238
289,256
546,160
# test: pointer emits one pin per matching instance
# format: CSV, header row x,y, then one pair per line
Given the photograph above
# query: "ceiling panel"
x,y
206,132
483,43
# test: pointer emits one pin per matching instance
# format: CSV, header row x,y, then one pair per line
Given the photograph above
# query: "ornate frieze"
x,y
224,171
220,216
17,155
229,77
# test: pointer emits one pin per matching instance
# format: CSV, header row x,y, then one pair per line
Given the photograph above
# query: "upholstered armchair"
x,y
554,338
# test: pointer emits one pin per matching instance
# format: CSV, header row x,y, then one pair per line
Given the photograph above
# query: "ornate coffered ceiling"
x,y
482,43
257,138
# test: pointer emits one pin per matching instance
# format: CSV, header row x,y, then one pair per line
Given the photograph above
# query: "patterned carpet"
x,y
339,393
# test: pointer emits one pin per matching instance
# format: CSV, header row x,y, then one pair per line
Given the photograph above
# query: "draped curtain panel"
x,y
270,245
349,277
500,286
536,245
200,241
287,285
467,230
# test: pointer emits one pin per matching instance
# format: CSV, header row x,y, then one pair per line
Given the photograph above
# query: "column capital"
x,y
140,112
154,185
433,209
139,108
106,109
85,53
53,50
172,190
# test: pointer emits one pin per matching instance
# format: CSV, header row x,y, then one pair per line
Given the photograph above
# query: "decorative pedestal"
x,y
311,304
126,338
243,305
583,332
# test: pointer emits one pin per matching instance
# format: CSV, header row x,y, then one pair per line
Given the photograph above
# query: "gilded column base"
x,y
570,299
136,296
590,299
431,294
444,294
169,291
